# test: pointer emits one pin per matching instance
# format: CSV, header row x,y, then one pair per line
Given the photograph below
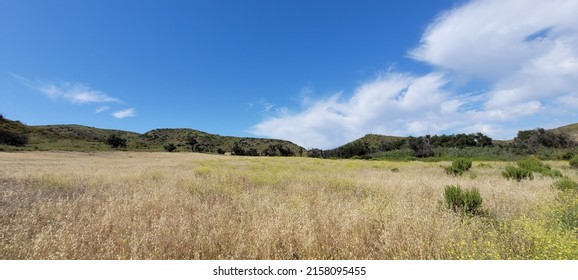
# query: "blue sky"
x,y
318,73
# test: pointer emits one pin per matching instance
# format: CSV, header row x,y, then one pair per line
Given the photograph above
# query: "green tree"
x,y
192,142
12,138
170,147
116,141
421,146
316,153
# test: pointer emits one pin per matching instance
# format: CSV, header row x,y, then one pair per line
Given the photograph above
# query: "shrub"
x,y
526,167
574,162
315,153
421,146
170,147
566,184
532,164
12,138
517,173
463,201
567,156
116,141
459,166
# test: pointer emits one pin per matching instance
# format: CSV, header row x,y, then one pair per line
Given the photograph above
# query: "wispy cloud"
x,y
131,112
523,52
102,109
75,93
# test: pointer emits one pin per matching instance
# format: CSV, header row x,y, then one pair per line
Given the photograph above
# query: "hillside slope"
x,y
84,138
571,129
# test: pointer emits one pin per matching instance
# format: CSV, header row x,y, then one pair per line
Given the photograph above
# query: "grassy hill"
x,y
84,138
212,143
571,129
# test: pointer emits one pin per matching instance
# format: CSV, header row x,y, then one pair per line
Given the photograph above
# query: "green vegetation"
x,y
566,184
463,201
527,167
517,173
116,141
545,144
535,165
20,137
459,166
12,133
574,162
170,147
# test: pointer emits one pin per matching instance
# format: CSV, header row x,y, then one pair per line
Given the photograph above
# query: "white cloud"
x,y
526,49
102,109
75,93
131,112
524,52
376,105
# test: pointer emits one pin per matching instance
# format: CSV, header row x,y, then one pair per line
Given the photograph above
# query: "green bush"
x,y
116,141
463,201
517,173
566,184
526,167
566,156
535,165
12,138
574,162
170,147
459,166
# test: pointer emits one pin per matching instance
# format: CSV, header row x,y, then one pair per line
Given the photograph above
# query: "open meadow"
x,y
136,205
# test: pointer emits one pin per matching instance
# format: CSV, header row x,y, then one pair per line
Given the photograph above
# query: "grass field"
x,y
119,205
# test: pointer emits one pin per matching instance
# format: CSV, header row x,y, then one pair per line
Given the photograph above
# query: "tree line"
x,y
526,142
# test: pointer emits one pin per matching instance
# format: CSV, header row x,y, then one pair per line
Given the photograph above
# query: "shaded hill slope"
x,y
84,138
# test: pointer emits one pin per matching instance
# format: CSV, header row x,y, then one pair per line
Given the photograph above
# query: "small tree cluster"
x,y
316,153
238,150
12,138
278,150
116,141
353,149
422,146
531,140
170,147
461,140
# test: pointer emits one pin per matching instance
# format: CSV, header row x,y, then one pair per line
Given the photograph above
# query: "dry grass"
x,y
194,206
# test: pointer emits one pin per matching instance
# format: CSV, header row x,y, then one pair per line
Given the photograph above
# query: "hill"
x,y
194,140
73,137
571,129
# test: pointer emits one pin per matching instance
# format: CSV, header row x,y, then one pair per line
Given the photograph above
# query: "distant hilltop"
x,y
552,143
73,137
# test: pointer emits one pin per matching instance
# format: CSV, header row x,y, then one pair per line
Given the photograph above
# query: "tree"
x,y
192,142
421,146
533,139
116,141
352,149
170,147
238,150
284,151
316,153
12,138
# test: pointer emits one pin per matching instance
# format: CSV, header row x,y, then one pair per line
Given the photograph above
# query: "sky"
x,y
317,73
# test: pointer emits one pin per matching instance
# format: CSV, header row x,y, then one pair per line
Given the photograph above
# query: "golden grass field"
x,y
123,205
